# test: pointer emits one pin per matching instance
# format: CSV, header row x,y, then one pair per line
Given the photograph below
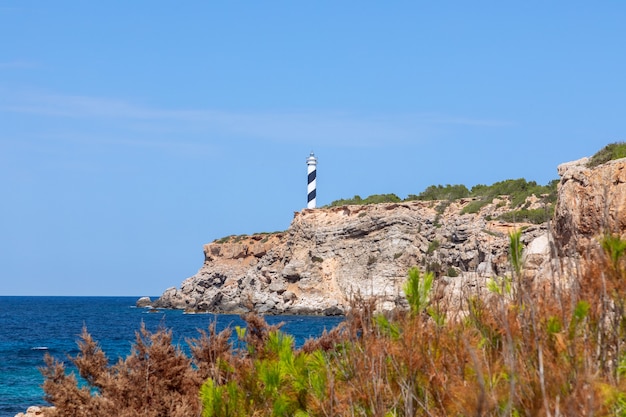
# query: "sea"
x,y
30,327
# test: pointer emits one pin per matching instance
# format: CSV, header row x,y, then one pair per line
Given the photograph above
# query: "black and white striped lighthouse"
x,y
311,163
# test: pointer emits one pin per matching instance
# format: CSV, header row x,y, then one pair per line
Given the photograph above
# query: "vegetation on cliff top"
x,y
521,351
372,199
262,236
610,152
517,191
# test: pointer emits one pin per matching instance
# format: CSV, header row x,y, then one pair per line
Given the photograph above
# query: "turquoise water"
x,y
30,327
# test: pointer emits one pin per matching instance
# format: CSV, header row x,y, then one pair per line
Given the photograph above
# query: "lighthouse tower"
x,y
311,163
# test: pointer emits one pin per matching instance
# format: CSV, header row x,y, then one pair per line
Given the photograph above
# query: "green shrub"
x,y
239,238
382,198
440,192
614,247
372,199
434,268
551,192
518,190
610,152
417,290
441,207
347,201
285,382
535,216
433,246
474,206
452,272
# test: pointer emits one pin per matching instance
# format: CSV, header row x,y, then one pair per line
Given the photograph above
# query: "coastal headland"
x,y
328,256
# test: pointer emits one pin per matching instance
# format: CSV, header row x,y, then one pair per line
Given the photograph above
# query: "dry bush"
x,y
156,379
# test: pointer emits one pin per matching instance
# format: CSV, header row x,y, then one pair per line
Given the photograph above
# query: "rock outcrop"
x,y
591,201
330,255
327,256
143,302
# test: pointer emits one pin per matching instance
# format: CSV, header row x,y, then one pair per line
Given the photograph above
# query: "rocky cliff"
x,y
591,202
330,255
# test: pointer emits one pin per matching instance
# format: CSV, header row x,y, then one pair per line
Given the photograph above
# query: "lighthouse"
x,y
311,163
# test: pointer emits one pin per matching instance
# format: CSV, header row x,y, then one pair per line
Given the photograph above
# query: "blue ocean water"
x,y
30,327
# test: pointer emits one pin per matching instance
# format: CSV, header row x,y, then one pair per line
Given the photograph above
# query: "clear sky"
x,y
133,132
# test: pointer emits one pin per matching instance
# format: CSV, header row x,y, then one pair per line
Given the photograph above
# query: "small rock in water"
x,y
34,411
144,302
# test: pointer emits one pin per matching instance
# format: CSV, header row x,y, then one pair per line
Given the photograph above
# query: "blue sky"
x,y
131,133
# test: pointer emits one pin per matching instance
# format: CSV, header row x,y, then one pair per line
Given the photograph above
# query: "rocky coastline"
x,y
328,256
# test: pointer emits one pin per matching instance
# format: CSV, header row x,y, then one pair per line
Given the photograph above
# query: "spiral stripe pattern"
x,y
312,183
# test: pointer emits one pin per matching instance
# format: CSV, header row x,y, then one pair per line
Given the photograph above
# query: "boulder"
x,y
537,251
34,411
289,296
144,302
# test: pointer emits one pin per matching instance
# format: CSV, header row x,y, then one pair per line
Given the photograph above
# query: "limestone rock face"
x,y
330,255
590,202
